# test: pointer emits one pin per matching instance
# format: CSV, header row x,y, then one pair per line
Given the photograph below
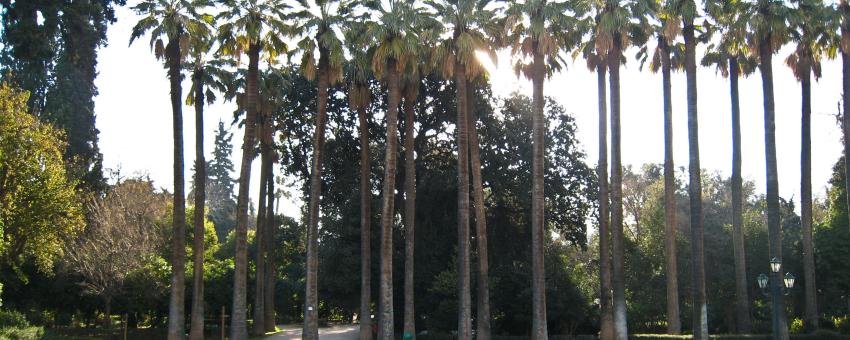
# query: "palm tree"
x,y
844,13
273,87
809,31
271,226
688,11
322,59
208,77
253,28
171,23
768,32
410,91
597,63
265,125
395,31
482,325
617,20
665,58
455,59
259,327
359,97
732,59
541,30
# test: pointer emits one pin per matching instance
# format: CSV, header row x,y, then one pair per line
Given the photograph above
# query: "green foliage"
x,y
220,183
55,60
832,248
504,135
38,204
12,319
26,333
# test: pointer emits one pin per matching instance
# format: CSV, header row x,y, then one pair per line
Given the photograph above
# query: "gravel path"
x,y
343,332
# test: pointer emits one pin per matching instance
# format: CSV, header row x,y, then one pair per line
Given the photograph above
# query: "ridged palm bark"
x,y
411,92
176,313
196,330
699,303
311,305
238,326
462,140
742,301
387,207
767,35
674,325
810,33
270,236
365,214
617,279
482,308
606,331
259,327
539,329
806,198
844,11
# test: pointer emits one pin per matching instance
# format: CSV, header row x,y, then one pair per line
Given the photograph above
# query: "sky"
x,y
135,121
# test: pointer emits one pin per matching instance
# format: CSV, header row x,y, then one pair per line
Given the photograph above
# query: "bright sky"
x,y
134,117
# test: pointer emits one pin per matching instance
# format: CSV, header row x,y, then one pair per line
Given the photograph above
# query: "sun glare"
x,y
503,79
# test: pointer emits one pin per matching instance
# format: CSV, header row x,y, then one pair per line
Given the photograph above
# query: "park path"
x,y
341,332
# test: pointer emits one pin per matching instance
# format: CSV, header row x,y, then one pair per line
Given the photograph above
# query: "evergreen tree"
x,y
220,184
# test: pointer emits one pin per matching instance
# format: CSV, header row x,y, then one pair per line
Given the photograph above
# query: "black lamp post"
x,y
775,291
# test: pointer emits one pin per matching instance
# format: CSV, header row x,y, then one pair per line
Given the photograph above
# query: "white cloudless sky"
x,y
135,121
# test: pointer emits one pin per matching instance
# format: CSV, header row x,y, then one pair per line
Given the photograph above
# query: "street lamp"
x,y
775,265
775,291
788,281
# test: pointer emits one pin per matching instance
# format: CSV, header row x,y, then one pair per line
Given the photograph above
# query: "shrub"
x,y
796,326
842,324
23,333
12,319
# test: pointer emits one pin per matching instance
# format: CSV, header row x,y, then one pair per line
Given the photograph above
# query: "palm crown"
x,y
253,23
321,27
545,28
174,20
395,32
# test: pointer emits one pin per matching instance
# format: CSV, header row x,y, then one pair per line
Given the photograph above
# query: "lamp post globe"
x,y
789,280
775,265
762,281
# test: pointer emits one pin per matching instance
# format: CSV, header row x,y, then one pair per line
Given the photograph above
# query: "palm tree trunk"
x,y
742,300
176,315
409,217
606,331
538,274
806,204
386,331
197,328
238,326
464,326
365,232
482,321
311,304
271,226
844,8
620,325
700,307
259,327
674,326
773,227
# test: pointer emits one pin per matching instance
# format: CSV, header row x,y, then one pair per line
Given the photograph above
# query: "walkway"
x,y
342,332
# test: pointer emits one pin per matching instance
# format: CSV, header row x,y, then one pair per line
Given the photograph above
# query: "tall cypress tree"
x,y
220,183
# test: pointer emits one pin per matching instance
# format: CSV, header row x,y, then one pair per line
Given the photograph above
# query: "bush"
x,y
842,324
12,319
818,335
23,333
